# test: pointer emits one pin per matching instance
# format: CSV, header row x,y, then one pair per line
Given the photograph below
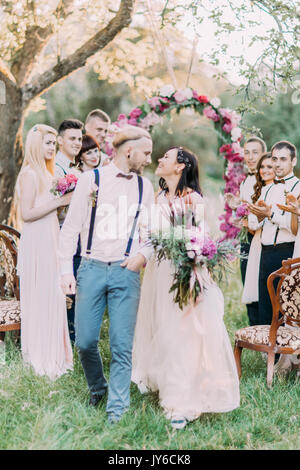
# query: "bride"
x,y
184,355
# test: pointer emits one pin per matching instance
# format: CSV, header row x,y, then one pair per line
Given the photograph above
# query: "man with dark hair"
x,y
254,148
96,125
277,238
69,141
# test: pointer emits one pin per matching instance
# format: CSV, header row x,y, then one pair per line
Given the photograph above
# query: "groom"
x,y
114,229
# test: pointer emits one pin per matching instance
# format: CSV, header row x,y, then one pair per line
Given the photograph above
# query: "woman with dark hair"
x,y
264,176
264,182
89,155
185,355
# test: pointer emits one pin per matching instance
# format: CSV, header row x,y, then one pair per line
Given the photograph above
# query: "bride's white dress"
x,y
187,358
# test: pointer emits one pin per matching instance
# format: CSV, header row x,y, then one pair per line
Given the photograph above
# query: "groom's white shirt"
x,y
117,203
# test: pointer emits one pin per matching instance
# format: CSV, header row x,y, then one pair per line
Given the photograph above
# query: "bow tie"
x,y
72,165
250,173
282,181
122,175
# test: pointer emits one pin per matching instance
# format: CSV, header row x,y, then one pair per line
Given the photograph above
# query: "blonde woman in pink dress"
x,y
45,339
184,355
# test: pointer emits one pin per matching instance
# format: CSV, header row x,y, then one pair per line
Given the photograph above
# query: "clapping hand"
x,y
292,204
261,210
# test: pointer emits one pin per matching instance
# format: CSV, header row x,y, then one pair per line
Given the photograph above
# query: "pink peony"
x,y
135,113
154,101
227,127
242,211
71,178
210,113
122,117
179,97
132,121
209,248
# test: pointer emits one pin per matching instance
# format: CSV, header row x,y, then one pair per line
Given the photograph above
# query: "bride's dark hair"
x,y
259,181
190,174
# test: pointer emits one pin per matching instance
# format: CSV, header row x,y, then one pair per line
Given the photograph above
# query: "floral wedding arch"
x,y
225,123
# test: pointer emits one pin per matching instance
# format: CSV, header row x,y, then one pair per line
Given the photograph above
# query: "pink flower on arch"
x,y
210,113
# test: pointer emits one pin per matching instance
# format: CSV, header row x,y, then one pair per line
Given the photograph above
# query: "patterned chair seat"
x,y
9,312
287,336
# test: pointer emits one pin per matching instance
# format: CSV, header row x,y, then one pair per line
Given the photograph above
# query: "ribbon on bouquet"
x,y
196,276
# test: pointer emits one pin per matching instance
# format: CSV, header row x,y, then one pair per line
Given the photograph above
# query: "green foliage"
x,y
272,27
36,413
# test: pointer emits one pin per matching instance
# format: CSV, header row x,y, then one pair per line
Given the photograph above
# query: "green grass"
x,y
36,413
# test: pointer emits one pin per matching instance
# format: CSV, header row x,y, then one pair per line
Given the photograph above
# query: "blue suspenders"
x,y
94,209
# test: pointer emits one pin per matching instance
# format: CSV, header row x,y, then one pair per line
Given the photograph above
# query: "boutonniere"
x,y
93,195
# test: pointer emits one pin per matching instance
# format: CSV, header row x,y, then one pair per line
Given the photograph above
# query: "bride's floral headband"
x,y
182,158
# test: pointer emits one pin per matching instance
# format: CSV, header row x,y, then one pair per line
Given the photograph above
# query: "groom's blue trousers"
x,y
101,285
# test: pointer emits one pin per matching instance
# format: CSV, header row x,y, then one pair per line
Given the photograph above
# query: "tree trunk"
x,y
11,148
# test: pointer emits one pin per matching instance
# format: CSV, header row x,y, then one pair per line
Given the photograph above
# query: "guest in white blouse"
x,y
112,255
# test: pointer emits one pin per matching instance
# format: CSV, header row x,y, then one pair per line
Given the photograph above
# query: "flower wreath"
x,y
225,122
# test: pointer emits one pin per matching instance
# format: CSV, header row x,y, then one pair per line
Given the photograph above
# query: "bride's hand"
x,y
65,199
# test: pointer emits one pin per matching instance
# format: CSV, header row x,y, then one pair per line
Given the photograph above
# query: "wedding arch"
x,y
225,121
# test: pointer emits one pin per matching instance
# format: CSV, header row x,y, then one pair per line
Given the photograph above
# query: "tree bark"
x,y
11,148
19,91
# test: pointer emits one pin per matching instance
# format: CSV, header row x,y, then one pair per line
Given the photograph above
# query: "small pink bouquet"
x,y
64,185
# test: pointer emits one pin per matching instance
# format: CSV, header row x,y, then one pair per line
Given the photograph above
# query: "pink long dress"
x,y
45,339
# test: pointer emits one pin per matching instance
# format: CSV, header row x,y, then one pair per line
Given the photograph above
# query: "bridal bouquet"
x,y
64,185
190,249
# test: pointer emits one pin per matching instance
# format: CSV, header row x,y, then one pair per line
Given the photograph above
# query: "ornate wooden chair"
x,y
9,282
276,338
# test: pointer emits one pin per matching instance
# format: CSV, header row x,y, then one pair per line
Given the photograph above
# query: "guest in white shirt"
x,y
69,142
264,182
277,238
111,259
96,125
254,148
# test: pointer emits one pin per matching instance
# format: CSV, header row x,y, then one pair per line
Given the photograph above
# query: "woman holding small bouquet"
x,y
181,347
44,334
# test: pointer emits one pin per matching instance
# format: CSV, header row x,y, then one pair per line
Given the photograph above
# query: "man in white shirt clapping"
x,y
277,238
254,148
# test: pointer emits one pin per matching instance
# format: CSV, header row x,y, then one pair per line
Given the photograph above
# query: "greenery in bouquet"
x,y
189,250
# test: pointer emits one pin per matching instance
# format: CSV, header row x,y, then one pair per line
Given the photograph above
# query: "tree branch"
x,y
36,39
6,76
42,82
